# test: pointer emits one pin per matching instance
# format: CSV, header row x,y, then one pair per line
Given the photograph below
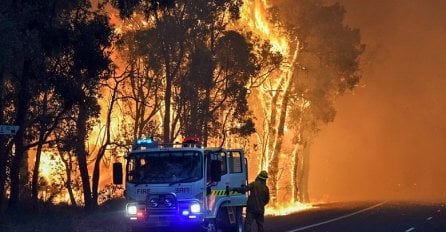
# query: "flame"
x,y
51,170
49,163
286,209
254,16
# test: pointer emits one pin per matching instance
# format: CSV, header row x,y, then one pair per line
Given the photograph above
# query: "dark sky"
x,y
389,137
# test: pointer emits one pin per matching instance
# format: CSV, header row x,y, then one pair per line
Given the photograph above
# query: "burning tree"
x,y
198,67
206,70
184,71
320,63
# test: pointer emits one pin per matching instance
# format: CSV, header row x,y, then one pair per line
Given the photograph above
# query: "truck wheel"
x,y
211,227
238,225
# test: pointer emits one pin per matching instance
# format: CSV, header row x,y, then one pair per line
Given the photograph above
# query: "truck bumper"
x,y
166,220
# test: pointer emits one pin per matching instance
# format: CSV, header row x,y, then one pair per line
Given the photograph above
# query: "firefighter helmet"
x,y
263,175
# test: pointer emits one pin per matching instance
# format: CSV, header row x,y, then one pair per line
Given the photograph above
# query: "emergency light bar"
x,y
148,143
191,142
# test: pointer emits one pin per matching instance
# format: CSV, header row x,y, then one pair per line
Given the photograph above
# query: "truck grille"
x,y
162,203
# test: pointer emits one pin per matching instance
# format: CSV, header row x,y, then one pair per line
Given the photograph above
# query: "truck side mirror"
x,y
216,170
117,173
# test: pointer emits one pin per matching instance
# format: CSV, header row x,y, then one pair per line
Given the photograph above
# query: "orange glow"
x,y
285,209
253,15
52,171
49,165
255,18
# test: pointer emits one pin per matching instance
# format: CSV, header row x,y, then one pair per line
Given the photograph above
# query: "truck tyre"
x,y
238,225
211,227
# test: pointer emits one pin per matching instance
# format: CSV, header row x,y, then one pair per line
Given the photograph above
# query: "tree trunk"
x,y
271,132
16,166
96,175
35,178
279,132
68,169
81,153
166,121
272,124
19,140
102,150
70,189
3,158
304,174
4,151
275,158
294,174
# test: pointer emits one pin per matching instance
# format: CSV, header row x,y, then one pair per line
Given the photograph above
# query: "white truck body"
x,y
179,186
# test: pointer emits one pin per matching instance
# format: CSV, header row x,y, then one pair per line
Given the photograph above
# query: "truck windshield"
x,y
164,167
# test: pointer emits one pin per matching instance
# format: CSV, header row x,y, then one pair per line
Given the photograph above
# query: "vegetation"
x,y
177,70
323,65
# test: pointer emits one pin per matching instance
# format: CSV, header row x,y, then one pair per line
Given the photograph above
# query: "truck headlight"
x,y
195,208
132,209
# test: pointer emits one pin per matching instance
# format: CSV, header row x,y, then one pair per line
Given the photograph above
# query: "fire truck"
x,y
183,185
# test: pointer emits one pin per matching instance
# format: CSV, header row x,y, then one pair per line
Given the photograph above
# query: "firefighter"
x,y
257,199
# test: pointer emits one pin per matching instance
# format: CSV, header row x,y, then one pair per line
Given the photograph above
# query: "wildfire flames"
x,y
285,209
254,17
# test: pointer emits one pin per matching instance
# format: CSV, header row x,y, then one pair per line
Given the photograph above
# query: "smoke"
x,y
388,140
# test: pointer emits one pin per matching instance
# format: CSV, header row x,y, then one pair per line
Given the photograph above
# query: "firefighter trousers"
x,y
250,217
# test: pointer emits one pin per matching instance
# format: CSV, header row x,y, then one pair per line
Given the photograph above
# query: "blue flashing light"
x,y
186,212
149,142
144,141
193,216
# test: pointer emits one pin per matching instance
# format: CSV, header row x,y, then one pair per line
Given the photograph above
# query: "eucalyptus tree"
x,y
141,91
204,67
9,44
166,47
56,68
88,61
22,70
327,66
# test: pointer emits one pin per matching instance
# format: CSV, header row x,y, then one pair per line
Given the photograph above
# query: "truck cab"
x,y
183,185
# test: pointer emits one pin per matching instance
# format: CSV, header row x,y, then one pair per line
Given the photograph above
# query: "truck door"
x,y
234,174
237,172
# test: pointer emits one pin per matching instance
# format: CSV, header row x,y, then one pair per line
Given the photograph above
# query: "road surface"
x,y
334,217
364,217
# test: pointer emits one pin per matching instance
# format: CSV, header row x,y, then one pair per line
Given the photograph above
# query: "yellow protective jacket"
x,y
258,196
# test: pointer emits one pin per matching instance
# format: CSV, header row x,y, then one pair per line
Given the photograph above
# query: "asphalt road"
x,y
364,217
334,217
